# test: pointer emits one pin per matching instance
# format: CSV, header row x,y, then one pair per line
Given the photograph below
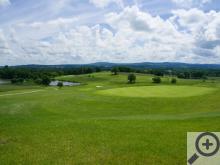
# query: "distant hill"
x,y
158,65
142,65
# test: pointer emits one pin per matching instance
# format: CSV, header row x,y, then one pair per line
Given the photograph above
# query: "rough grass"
x,y
75,125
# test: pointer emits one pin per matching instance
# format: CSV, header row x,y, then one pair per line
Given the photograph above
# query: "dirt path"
x,y
22,93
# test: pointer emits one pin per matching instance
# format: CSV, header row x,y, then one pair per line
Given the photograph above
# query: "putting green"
x,y
157,91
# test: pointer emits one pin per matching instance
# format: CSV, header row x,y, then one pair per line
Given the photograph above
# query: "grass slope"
x,y
76,125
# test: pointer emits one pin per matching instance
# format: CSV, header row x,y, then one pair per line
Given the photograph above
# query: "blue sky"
x,y
85,31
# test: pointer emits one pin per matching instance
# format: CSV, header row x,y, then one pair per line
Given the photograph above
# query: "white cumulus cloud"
x,y
130,35
4,2
104,3
191,3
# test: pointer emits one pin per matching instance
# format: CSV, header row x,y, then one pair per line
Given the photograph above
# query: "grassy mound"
x,y
158,91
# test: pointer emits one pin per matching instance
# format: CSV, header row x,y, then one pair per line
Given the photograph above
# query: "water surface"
x,y
65,83
4,81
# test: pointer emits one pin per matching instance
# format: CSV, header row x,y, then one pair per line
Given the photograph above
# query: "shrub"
x,y
173,80
115,70
46,80
131,78
204,78
156,80
60,84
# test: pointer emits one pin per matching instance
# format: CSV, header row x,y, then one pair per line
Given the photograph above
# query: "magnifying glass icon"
x,y
207,144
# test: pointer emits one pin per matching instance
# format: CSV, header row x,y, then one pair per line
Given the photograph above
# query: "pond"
x,y
4,81
65,83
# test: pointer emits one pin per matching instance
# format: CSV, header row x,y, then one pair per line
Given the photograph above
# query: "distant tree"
x,y
97,69
13,81
156,80
60,84
115,70
204,78
158,73
173,81
185,75
17,80
88,70
197,74
46,80
126,69
38,81
169,72
131,78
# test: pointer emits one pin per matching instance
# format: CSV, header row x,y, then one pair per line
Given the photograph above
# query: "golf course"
x,y
105,120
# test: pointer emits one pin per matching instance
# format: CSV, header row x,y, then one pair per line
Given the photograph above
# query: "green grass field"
x,y
158,91
114,123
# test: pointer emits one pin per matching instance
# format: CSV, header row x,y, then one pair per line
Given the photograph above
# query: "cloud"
x,y
217,51
212,31
3,43
203,25
204,28
130,35
192,20
152,38
191,3
132,17
6,53
104,3
4,2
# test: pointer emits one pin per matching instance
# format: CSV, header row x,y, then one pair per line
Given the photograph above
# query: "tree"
x,y
17,80
131,78
38,81
60,84
173,81
156,80
115,70
46,80
97,69
6,67
204,78
158,73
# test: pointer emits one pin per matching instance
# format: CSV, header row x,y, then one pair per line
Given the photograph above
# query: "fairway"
x,y
158,91
117,123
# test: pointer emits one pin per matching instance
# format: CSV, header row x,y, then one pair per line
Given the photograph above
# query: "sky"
x,y
119,31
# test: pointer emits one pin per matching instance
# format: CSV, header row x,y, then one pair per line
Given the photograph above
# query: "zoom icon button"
x,y
206,144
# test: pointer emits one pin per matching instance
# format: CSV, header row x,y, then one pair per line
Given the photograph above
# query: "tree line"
x,y
180,73
155,79
46,74
43,76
